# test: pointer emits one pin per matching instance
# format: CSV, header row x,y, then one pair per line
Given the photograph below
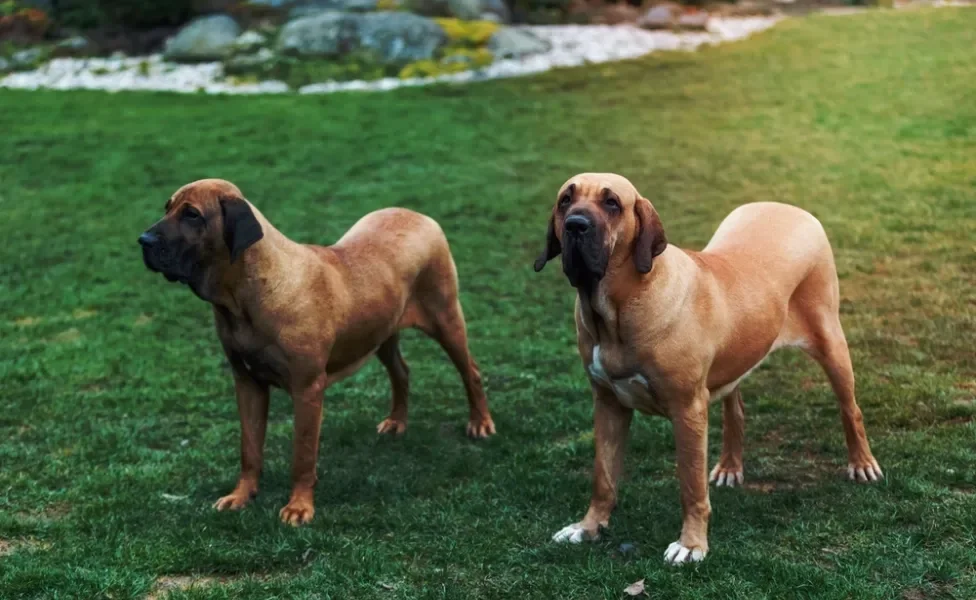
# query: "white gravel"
x,y
572,45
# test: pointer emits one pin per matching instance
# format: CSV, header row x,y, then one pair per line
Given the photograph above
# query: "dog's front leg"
x,y
611,424
252,407
690,417
308,421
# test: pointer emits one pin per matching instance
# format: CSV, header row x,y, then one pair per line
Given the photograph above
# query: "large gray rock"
x,y
400,37
249,41
311,7
4,65
26,59
662,16
327,33
471,10
248,63
429,8
206,38
515,42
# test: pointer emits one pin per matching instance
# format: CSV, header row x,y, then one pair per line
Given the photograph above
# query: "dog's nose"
x,y
577,224
148,239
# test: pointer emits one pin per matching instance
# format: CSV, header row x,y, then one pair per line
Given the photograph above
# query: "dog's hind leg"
x,y
828,347
815,310
450,331
389,354
728,471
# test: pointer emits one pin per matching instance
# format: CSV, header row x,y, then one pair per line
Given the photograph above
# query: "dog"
x,y
665,331
302,317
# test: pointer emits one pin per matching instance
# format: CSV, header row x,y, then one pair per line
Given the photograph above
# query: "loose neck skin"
x,y
243,288
662,290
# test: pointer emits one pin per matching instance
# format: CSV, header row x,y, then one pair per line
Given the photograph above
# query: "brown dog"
x,y
665,330
302,317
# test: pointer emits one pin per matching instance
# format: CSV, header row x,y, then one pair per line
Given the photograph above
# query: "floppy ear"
x,y
650,239
241,227
552,249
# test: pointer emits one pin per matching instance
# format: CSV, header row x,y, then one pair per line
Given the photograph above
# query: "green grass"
x,y
114,392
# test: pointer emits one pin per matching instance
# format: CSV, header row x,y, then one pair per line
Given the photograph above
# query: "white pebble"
x,y
571,46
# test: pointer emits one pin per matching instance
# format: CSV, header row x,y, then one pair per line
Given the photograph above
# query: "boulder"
x,y
5,65
515,42
693,20
471,10
73,46
249,41
400,37
662,16
203,39
307,9
615,14
26,59
246,63
429,8
328,33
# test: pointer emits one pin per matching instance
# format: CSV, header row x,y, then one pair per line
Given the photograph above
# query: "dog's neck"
x,y
665,285
240,288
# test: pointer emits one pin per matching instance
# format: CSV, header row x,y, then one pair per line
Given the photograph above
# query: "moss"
x,y
454,61
389,5
298,72
472,57
470,34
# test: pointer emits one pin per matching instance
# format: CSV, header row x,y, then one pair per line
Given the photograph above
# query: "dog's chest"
x,y
263,359
631,389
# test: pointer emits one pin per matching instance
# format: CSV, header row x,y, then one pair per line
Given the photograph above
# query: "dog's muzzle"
x,y
584,258
158,258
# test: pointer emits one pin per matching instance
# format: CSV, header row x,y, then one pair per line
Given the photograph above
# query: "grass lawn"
x,y
119,426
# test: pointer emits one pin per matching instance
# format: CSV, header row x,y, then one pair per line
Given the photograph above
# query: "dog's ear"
x,y
241,227
650,240
552,249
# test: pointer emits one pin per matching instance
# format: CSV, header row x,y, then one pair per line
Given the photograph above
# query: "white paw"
x,y
720,477
864,473
676,554
574,534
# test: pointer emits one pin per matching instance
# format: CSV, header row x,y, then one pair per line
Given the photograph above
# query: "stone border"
x,y
570,46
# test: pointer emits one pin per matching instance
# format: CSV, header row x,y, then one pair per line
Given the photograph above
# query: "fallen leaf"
x,y
635,589
173,497
387,586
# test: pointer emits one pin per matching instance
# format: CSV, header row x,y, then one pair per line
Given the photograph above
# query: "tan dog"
x,y
302,317
664,331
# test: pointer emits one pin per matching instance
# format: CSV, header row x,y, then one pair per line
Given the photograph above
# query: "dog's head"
x,y
208,224
599,218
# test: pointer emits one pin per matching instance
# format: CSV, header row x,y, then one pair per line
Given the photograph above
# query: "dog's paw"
x,y
727,476
574,534
866,471
297,512
677,554
481,428
235,500
391,426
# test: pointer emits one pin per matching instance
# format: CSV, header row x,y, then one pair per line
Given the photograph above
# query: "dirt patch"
x,y
169,583
52,512
8,547
142,320
165,584
83,314
27,321
67,336
765,487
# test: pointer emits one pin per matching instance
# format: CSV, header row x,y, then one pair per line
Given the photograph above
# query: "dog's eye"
x,y
191,215
565,201
611,203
